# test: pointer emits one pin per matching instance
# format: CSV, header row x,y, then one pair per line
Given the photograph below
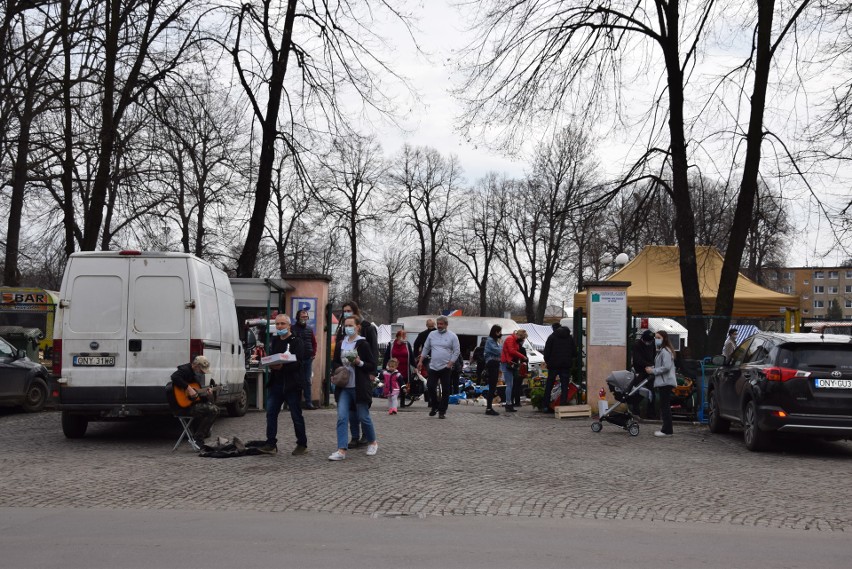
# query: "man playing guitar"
x,y
188,378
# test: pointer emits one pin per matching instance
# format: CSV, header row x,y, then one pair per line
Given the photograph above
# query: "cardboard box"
x,y
277,359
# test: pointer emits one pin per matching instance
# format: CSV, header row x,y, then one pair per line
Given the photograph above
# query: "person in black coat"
x,y
642,356
559,350
285,385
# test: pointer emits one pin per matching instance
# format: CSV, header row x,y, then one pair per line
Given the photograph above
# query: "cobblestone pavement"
x,y
526,464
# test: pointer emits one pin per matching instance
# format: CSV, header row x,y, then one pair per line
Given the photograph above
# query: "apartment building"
x,y
816,287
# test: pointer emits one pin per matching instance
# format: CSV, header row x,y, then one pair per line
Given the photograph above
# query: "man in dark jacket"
x,y
309,348
559,352
421,339
642,357
187,377
285,385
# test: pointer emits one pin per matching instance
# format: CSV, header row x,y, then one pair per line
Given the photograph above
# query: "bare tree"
x,y
426,185
25,93
331,42
195,153
537,58
349,190
144,41
475,238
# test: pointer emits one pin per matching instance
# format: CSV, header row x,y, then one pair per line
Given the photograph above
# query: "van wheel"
x,y
239,407
74,426
35,397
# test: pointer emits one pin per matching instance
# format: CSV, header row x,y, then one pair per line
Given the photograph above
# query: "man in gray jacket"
x,y
443,350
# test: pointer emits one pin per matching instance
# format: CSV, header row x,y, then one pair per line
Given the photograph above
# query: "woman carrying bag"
x,y
354,352
665,380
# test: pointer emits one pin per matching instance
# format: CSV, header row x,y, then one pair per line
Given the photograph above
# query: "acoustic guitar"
x,y
183,401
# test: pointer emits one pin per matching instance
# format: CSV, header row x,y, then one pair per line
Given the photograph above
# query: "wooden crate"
x,y
569,411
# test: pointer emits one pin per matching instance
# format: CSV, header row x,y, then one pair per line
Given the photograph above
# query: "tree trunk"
x,y
248,258
68,221
11,275
684,216
751,168
94,214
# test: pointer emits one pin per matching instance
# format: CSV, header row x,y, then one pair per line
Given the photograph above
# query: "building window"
x,y
819,304
787,289
819,274
848,289
819,289
806,281
790,275
849,274
849,304
832,290
832,274
773,276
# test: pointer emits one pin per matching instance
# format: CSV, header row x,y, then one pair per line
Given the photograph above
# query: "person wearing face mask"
x,y
368,332
309,343
643,356
285,385
443,349
353,353
665,380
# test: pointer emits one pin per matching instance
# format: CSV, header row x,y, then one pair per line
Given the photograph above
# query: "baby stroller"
x,y
624,387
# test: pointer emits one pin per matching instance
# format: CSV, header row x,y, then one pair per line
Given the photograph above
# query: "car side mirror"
x,y
718,360
20,354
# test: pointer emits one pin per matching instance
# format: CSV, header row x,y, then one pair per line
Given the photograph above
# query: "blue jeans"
x,y
274,399
344,401
306,371
564,375
508,379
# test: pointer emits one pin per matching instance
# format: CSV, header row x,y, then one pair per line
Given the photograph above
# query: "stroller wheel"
x,y
633,429
597,426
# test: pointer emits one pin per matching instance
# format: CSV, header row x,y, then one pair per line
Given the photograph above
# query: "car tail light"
x,y
56,368
784,374
196,348
781,414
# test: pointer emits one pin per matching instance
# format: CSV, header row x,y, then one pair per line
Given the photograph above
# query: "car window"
x,y
739,354
815,357
6,350
757,351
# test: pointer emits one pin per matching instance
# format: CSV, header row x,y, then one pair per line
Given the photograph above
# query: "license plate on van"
x,y
89,361
834,383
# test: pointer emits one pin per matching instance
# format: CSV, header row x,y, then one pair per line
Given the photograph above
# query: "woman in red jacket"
x,y
508,358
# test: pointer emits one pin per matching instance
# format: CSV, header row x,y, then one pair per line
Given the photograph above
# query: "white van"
x,y
472,330
126,320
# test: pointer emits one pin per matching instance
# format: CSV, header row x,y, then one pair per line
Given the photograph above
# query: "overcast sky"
x,y
432,121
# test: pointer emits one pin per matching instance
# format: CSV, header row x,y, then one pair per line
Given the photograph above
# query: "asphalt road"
x,y
62,539
468,491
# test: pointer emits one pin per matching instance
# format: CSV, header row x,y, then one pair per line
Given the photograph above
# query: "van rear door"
x,y
157,326
94,331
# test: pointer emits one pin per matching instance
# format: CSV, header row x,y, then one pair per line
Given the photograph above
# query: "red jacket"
x,y
510,350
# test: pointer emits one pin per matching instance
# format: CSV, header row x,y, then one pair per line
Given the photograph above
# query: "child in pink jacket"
x,y
390,378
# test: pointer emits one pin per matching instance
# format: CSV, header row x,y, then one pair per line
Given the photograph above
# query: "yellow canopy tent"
x,y
656,288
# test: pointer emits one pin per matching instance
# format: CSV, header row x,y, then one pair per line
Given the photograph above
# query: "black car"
x,y
784,383
22,382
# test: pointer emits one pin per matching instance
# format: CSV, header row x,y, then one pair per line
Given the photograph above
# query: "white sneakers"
x,y
661,434
372,449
